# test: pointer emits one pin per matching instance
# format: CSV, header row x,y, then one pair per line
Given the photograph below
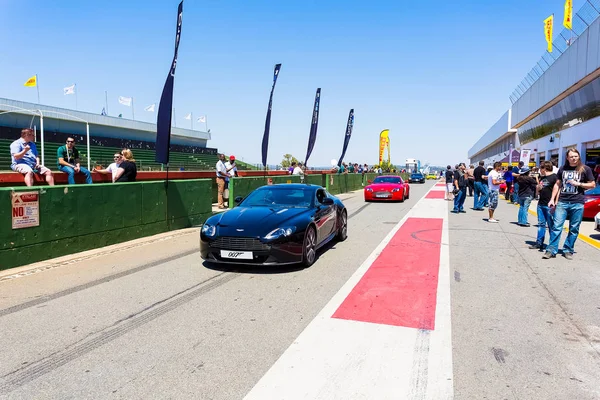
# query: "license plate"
x,y
382,195
233,254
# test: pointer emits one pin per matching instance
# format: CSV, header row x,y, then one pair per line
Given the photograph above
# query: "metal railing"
x,y
582,19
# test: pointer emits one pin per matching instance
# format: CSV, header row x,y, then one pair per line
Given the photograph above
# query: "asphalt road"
x,y
151,321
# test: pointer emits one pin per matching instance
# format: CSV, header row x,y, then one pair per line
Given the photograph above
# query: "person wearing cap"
x,y
231,167
527,188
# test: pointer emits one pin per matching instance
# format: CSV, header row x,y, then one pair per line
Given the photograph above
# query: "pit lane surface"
x,y
153,322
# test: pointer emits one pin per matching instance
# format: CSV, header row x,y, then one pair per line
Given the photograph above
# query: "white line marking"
x,y
342,359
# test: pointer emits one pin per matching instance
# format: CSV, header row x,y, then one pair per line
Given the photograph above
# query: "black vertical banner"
x,y
349,127
312,137
163,122
265,141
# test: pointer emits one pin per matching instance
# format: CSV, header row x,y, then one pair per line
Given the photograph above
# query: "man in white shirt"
x,y
299,171
231,167
112,168
494,181
222,174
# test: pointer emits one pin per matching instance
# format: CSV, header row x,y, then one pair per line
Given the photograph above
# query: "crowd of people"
x,y
559,191
26,161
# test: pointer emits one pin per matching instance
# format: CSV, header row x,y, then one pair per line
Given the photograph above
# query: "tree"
x,y
287,161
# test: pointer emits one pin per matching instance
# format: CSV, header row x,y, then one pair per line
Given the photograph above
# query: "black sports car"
x,y
275,225
416,177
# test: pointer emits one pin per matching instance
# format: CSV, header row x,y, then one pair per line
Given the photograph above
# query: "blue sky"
x,y
436,73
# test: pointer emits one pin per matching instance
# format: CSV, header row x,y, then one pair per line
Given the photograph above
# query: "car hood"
x,y
256,221
384,186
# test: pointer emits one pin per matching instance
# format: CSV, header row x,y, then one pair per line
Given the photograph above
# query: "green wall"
x,y
83,217
343,183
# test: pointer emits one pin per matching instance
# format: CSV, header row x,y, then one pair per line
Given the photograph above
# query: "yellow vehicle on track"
x,y
432,176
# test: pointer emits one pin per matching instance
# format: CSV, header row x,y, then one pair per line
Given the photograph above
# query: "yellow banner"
x,y
383,143
548,22
568,21
31,82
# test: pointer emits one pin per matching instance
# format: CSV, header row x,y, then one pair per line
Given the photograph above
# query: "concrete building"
x,y
557,111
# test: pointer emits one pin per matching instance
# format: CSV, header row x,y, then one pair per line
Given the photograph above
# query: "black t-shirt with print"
x,y
130,172
460,177
570,193
526,186
478,174
449,176
547,182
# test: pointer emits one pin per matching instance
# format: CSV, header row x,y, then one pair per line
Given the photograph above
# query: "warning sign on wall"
x,y
25,209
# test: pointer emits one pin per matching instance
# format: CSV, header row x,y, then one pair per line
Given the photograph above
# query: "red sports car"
x,y
592,203
387,188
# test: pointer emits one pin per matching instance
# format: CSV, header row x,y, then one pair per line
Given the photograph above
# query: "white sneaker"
x,y
493,220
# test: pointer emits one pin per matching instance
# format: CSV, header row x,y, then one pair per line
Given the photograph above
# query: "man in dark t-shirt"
x,y
449,183
573,179
545,217
481,187
460,182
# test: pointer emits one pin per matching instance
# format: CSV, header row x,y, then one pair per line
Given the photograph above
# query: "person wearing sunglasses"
x,y
113,167
25,159
68,162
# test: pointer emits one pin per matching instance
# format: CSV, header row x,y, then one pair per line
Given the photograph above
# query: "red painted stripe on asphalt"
x,y
435,194
400,287
440,184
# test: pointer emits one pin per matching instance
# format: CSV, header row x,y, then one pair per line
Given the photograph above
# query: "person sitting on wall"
x,y
68,162
112,168
127,171
25,160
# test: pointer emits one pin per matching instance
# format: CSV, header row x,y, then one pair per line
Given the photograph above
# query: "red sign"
x,y
25,209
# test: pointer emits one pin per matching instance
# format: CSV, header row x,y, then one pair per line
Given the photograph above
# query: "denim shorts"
x,y
493,196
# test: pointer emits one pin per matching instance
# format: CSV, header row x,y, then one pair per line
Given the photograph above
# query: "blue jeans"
x,y
515,196
481,195
459,199
574,213
524,202
544,218
71,174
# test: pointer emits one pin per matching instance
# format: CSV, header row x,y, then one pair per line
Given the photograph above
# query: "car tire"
x,y
309,247
343,226
402,198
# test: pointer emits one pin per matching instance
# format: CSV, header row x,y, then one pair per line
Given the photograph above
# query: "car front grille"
x,y
239,243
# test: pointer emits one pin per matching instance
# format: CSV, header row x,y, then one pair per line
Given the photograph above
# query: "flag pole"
x,y
106,101
132,110
76,107
192,120
174,117
37,86
206,123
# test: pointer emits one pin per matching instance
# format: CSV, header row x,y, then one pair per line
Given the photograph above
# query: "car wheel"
x,y
310,247
402,198
343,224
407,195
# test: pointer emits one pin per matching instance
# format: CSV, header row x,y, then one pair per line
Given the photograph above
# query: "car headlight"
x,y
280,232
369,189
394,190
209,230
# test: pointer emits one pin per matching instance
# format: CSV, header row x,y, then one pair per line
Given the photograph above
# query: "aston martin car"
x,y
592,203
275,225
387,187
416,177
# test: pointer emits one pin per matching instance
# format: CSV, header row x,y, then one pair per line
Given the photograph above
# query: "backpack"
x,y
462,182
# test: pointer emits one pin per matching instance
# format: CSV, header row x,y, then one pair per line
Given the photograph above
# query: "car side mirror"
x,y
327,201
238,199
369,181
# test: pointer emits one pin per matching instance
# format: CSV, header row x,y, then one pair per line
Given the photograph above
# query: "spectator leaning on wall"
x,y
25,160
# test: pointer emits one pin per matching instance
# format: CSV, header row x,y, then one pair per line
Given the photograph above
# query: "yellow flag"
x,y
383,143
548,22
568,21
31,82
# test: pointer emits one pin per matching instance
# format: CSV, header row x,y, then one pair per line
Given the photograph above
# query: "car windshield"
x,y
387,179
416,175
279,197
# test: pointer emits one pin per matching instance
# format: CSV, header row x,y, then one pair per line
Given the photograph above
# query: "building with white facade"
x,y
557,111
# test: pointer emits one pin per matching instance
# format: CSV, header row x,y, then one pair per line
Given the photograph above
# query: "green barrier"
x,y
82,217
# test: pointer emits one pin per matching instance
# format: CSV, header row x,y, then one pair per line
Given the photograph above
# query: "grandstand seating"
x,y
103,156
